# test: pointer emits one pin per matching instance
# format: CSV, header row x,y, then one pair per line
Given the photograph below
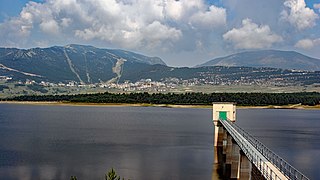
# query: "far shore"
x,y
295,106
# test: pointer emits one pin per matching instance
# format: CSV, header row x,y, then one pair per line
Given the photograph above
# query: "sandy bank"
x,y
298,106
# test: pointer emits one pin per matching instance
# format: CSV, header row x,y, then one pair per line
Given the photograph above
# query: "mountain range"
x,y
85,64
88,64
268,58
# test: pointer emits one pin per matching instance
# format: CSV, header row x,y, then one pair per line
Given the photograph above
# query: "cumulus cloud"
x,y
298,14
17,30
307,43
157,32
251,36
215,17
133,24
317,6
49,26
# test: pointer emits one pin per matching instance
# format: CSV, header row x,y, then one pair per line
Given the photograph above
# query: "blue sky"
x,y
182,33
310,3
10,8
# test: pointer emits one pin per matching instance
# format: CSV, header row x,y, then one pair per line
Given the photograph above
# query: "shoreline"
x,y
48,103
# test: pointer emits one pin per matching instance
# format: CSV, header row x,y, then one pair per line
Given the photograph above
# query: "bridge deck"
x,y
268,163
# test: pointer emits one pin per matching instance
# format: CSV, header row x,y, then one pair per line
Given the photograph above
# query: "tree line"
x,y
245,99
111,175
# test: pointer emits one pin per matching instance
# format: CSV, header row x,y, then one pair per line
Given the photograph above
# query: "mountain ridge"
x,y
80,63
90,65
267,58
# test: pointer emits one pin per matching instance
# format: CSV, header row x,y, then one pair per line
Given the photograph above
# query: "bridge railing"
x,y
284,167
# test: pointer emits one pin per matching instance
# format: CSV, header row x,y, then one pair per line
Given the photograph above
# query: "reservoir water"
x,y
141,143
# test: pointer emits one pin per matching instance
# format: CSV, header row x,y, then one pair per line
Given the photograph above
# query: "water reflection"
x,y
220,170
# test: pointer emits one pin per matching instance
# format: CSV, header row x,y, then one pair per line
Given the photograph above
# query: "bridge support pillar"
x,y
224,142
235,162
229,149
245,167
218,134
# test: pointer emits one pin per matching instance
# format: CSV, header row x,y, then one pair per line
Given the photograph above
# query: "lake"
x,y
140,143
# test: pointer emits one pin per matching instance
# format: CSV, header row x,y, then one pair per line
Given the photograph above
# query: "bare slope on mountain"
x,y
83,64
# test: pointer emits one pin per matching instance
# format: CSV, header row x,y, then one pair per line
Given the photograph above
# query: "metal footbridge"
x,y
241,155
270,165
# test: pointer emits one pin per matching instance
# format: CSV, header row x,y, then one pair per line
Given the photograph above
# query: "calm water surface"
x,y
141,143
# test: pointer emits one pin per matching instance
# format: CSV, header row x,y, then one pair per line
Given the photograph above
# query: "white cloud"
x,y
298,14
49,26
174,9
156,32
183,9
215,17
65,22
251,36
317,6
15,32
134,24
307,43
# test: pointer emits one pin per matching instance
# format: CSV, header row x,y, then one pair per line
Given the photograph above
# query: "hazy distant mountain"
x,y
268,58
78,63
